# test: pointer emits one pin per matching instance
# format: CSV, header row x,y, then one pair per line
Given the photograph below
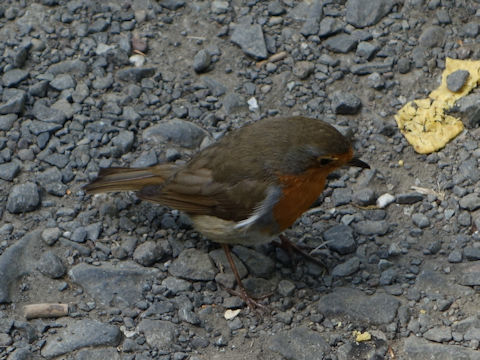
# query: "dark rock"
x,y
420,220
408,199
8,171
470,202
416,348
345,103
471,253
158,333
341,43
120,283
233,103
80,334
371,67
250,39
364,197
329,26
201,61
299,343
51,181
220,259
15,103
366,50
69,67
135,74
310,27
256,263
6,121
193,264
468,109
363,13
359,308
62,82
23,198
403,65
148,253
347,268
457,79
303,69
48,114
471,29
175,286
432,36
181,132
14,77
172,4
455,257
339,238
51,235
275,8
123,142
369,227
50,265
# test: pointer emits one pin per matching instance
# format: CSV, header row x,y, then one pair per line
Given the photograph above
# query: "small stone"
x,y
251,40
15,103
63,82
135,74
123,142
329,26
457,79
48,114
339,238
370,227
341,43
175,286
366,50
299,343
408,199
7,121
432,36
220,7
420,220
275,8
310,27
439,334
14,77
201,61
23,198
345,103
341,196
470,202
303,69
148,253
403,65
471,253
471,29
256,263
347,268
8,171
364,197
51,235
286,288
193,264
363,13
50,265
172,4
180,132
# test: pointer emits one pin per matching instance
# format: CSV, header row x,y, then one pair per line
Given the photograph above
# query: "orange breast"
x,y
299,193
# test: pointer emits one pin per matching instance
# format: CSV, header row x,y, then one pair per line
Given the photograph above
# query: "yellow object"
x,y
424,122
359,336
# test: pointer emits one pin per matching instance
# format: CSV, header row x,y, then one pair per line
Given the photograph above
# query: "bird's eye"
x,y
325,161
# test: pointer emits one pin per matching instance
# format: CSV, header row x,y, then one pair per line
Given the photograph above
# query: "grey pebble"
x,y
23,198
80,334
51,235
220,259
299,343
471,29
358,307
439,334
363,13
135,74
180,132
347,268
364,197
51,181
48,114
455,257
286,287
76,66
416,348
15,103
63,82
432,36
175,286
420,220
371,67
220,7
471,253
329,26
256,263
409,198
310,27
470,202
9,170
123,142
303,69
50,265
158,333
468,108
345,103
403,65
457,79
369,227
148,253
172,4
193,264
201,61
341,43
7,121
108,283
251,40
14,77
366,50
339,238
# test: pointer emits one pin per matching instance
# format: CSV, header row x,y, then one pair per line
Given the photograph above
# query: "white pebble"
x,y
384,200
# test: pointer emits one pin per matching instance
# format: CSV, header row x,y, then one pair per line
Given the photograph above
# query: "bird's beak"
x,y
358,163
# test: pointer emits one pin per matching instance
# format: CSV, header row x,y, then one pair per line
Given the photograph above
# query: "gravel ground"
x,y
89,84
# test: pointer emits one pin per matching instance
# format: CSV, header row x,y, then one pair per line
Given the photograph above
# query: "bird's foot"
x,y
252,303
290,247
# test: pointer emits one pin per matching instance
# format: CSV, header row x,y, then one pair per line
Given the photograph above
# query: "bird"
x,y
247,187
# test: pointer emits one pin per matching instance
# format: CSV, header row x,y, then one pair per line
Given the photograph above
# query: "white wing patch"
x,y
264,211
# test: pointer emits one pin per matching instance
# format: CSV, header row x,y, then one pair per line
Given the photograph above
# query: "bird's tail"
x,y
129,179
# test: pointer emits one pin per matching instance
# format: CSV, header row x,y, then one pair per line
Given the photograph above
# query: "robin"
x,y
247,187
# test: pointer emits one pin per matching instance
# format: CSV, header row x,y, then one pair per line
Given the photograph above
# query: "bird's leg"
x,y
242,293
290,247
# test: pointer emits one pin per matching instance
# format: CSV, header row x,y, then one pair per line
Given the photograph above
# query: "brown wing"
x,y
194,191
